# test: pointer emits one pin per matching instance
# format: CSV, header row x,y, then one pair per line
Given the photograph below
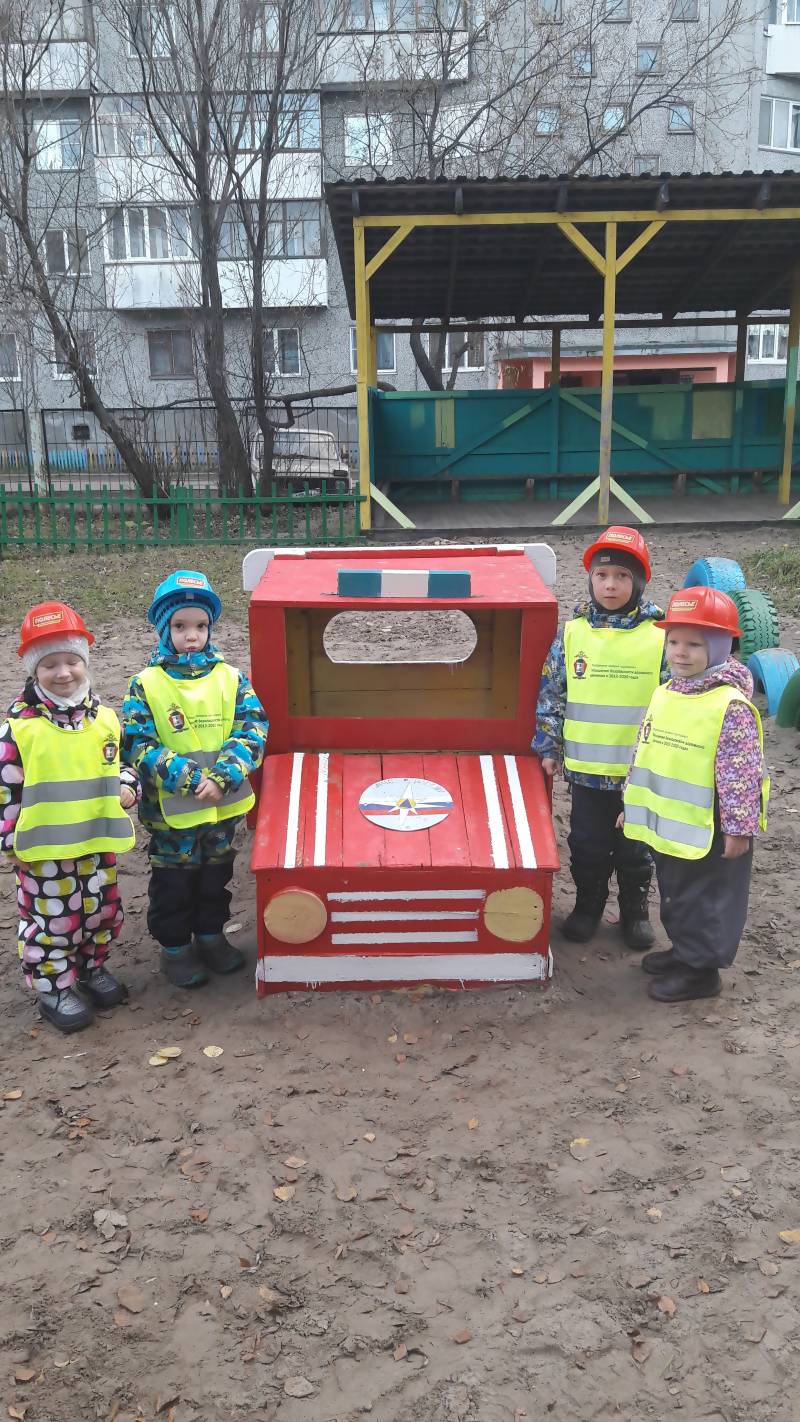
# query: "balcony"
x,y
783,50
62,67
171,286
393,58
132,178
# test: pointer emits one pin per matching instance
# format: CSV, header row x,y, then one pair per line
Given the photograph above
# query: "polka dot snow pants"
x,y
70,913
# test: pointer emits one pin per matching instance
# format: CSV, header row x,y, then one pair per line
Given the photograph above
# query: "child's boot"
x,y
662,961
684,984
634,921
218,955
183,966
592,886
66,1010
101,986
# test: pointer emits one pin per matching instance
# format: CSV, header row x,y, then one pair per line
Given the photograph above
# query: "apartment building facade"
x,y
122,231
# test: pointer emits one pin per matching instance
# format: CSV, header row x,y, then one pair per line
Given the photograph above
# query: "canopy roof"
x,y
719,248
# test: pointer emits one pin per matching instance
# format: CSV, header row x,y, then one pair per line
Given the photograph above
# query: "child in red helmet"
x,y
62,820
596,683
696,795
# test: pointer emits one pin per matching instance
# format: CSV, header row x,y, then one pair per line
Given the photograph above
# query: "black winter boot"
x,y
592,886
684,984
634,921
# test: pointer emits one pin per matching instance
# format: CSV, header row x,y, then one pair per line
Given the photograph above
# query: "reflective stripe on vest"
x,y
195,718
67,809
670,795
611,674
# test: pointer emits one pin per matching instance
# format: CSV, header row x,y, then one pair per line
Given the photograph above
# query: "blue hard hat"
x,y
183,588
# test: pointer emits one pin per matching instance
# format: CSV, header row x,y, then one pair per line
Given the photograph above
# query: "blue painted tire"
x,y
724,574
772,669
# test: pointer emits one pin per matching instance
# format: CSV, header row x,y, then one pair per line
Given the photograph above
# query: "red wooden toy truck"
x,y
403,828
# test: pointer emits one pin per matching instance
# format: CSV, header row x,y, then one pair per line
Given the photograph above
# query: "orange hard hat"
x,y
51,619
624,540
702,607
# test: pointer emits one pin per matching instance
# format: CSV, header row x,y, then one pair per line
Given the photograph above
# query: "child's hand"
x,y
735,846
127,797
620,820
549,766
209,791
12,862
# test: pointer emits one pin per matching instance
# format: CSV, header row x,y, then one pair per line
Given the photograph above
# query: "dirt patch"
x,y
501,1205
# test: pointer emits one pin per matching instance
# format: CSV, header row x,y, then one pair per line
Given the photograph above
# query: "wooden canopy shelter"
x,y
516,253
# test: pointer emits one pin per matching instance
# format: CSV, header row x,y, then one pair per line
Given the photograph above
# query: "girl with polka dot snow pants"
x,y
70,912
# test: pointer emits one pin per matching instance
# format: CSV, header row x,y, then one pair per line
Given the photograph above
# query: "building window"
x,y
299,122
154,234
685,10
648,59
68,23
681,118
550,10
123,129
66,252
468,346
87,354
3,254
547,120
583,60
171,355
384,350
262,20
612,118
367,140
154,31
382,15
9,358
253,125
779,124
793,12
282,351
58,145
646,165
293,229
768,344
617,10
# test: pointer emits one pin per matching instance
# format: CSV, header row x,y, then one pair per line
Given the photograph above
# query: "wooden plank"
x,y
416,702
476,816
449,840
505,663
363,842
297,661
475,672
270,833
405,849
333,853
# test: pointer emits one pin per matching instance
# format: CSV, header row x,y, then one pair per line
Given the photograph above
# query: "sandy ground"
x,y
505,1204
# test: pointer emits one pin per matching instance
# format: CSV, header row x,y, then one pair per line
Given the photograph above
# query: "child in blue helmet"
x,y
194,730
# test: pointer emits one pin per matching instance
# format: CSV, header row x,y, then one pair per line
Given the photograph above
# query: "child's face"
x,y
687,652
188,628
612,586
61,673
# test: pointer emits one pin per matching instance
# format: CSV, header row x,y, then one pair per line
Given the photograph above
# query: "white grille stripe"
x,y
523,829
293,814
494,814
469,935
449,967
362,896
321,825
389,916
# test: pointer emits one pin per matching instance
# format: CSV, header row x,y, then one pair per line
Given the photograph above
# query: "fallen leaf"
x,y
621,1087
14,1095
473,1124
667,1305
284,1193
679,1070
516,1271
24,1375
703,1287
754,1334
789,1043
790,1236
654,1213
392,1038
298,1387
736,1174
157,1060
400,1057
641,1350
171,1053
131,1298
400,1353
225,1291
576,1147
346,1193
294,1162
410,1038
17,1410
61,1362
272,1296
369,1136
640,1280
401,1287
213,1051
462,1336
521,1315
122,1319
199,1216
768,1267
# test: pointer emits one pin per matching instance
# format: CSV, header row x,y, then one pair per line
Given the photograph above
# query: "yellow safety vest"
x,y
70,795
611,674
195,718
669,798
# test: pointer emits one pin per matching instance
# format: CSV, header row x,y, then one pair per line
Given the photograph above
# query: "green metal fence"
x,y
93,518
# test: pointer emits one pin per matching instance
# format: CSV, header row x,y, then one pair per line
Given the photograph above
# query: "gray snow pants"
x,y
704,904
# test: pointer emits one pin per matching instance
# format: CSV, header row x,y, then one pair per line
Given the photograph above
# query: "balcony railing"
x,y
163,285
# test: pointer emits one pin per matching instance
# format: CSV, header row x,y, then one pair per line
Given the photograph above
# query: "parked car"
x,y
302,455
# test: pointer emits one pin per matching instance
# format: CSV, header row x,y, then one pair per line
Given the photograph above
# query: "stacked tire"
x,y
771,665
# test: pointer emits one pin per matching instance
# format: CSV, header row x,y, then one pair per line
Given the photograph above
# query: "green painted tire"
x,y
758,619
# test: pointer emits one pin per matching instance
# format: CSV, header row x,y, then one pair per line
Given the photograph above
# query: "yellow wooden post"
x,y
607,384
555,356
372,373
363,363
790,395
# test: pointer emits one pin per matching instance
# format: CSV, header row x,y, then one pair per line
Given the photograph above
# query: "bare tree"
x,y
534,86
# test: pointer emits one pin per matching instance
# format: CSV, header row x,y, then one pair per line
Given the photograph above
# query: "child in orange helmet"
x,y
63,799
696,795
596,682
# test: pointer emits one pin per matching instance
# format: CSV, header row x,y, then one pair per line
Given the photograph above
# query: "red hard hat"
x,y
51,619
702,607
626,540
